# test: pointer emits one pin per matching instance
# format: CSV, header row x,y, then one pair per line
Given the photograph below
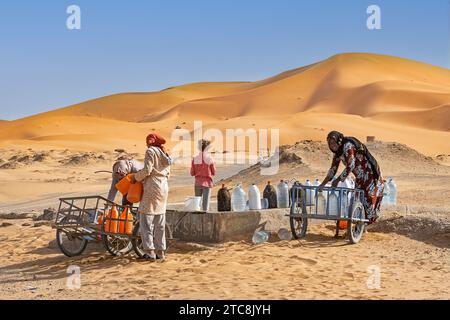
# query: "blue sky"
x,y
129,46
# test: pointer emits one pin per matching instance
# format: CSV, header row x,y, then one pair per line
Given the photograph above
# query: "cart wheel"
x,y
136,241
70,245
299,226
117,245
355,230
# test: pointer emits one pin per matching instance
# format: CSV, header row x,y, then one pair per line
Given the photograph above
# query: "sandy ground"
x,y
318,267
412,255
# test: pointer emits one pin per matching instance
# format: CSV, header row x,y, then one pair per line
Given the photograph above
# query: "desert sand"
x,y
404,104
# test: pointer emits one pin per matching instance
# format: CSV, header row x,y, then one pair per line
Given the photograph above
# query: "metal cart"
x,y
81,220
305,205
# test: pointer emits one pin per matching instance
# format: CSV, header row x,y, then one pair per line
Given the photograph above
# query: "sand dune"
x,y
361,94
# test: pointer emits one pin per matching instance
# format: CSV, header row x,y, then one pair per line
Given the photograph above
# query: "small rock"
x,y
48,215
16,216
42,223
31,288
26,224
5,224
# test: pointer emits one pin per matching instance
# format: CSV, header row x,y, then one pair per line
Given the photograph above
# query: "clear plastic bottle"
x,y
310,195
321,203
284,234
238,199
283,194
392,192
333,204
260,237
254,198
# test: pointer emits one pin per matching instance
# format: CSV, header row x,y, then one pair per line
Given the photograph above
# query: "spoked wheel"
x,y
69,243
299,226
117,245
355,229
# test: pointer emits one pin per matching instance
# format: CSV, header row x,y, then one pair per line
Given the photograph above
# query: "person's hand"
x,y
335,183
133,179
320,188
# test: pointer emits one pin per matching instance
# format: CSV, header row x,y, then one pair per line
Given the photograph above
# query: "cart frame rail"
x,y
305,206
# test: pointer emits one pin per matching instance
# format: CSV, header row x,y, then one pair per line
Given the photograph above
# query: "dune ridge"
x,y
361,94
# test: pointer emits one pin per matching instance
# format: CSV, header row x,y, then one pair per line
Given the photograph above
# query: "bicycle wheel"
x,y
70,244
299,226
355,230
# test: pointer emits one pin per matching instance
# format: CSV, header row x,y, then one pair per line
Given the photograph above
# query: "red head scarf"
x,y
155,140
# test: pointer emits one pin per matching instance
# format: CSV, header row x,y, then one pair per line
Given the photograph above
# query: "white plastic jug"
x,y
321,203
193,203
310,194
254,198
238,199
333,204
283,195
392,192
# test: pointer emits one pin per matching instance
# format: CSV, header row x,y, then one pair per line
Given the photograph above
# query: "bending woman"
x,y
357,160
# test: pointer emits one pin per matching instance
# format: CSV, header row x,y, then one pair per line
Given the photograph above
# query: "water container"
x,y
100,219
343,224
135,192
333,204
310,194
126,226
393,192
193,203
386,195
260,237
321,203
238,199
284,234
124,185
271,195
265,203
111,221
317,183
283,195
254,198
223,199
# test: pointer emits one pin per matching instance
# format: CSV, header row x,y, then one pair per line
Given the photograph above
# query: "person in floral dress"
x,y
368,177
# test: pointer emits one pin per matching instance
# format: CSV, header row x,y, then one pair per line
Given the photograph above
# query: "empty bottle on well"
x,y
254,198
238,199
283,194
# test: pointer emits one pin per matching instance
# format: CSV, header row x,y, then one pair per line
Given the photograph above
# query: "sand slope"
x,y
361,94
